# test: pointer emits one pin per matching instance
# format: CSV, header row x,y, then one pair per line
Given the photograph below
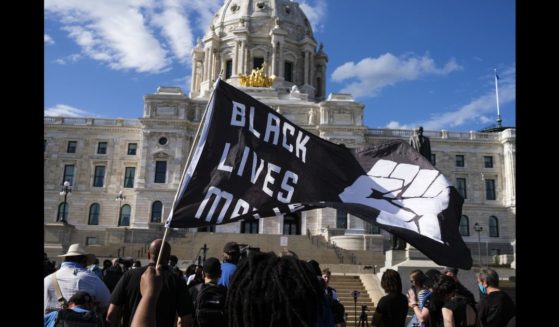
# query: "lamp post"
x,y
478,229
66,188
119,198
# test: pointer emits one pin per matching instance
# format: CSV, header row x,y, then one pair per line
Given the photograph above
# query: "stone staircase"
x,y
187,247
344,286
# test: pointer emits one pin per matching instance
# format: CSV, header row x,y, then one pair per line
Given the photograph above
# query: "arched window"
x,y
124,217
94,214
62,214
464,226
156,211
493,226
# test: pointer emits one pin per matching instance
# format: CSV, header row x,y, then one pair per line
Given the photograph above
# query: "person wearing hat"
x,y
231,255
73,277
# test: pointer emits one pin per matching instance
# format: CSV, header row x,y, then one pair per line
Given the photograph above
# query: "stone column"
x,y
509,179
235,58
274,57
311,69
306,69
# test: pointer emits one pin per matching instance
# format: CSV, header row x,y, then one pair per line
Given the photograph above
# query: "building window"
x,y
99,176
156,211
72,146
493,226
372,228
102,148
132,149
162,140
62,214
257,62
160,171
288,71
94,214
90,240
461,187
341,218
249,226
490,189
291,225
488,161
464,226
459,160
129,173
68,174
124,216
228,68
433,159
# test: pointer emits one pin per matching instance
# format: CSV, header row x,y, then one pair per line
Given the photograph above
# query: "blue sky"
x,y
410,62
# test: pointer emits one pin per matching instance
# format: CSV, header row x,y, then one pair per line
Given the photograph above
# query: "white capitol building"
x,y
144,158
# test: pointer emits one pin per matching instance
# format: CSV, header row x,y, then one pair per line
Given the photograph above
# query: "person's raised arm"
x,y
150,287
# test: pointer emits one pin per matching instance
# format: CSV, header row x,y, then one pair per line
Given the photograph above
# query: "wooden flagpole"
x,y
196,137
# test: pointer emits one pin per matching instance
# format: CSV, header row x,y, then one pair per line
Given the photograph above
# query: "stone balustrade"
x,y
406,133
91,121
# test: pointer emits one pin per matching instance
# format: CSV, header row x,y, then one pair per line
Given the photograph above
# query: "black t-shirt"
x,y
496,309
463,291
393,308
458,306
434,305
173,299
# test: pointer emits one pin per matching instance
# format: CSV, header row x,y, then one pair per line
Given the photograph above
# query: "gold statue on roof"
x,y
257,78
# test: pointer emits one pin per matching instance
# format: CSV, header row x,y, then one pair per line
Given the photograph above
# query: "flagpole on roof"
x,y
192,146
497,97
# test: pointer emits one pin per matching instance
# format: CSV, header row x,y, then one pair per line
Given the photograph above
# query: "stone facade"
x,y
280,34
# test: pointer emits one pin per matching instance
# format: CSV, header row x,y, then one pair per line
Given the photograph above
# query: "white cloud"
x,y
396,125
67,111
71,58
477,109
142,35
315,13
183,82
48,39
374,74
175,28
484,119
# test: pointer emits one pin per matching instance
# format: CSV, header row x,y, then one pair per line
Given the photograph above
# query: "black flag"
x,y
251,163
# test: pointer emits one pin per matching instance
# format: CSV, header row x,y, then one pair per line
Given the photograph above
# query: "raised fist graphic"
x,y
407,196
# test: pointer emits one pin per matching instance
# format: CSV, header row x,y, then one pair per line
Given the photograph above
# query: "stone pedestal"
x,y
406,261
410,259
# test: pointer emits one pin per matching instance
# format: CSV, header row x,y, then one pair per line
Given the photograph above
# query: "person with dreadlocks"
x,y
267,290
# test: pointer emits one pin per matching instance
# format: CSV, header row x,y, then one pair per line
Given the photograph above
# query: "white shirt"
x,y
73,277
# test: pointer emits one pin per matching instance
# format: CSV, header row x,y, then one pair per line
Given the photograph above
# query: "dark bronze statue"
x,y
421,143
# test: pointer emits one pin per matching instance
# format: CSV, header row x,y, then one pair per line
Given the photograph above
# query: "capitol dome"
x,y
246,34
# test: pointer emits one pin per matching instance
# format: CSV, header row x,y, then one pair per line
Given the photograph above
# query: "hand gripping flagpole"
x,y
497,97
196,139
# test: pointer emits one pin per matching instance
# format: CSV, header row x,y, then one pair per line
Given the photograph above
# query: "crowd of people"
x,y
438,299
262,289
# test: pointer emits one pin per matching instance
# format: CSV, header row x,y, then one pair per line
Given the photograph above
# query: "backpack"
x,y
71,318
210,306
338,309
